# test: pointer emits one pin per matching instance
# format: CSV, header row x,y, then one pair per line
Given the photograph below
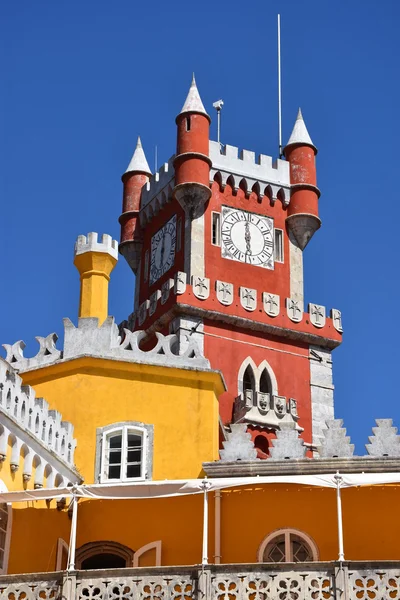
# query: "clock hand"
x,y
162,248
247,237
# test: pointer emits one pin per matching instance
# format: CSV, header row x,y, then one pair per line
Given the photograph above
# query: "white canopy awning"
x,y
168,488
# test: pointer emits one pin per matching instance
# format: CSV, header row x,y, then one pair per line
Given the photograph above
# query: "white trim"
x,y
124,429
257,372
216,222
282,245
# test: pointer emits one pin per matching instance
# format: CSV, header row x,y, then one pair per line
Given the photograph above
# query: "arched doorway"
x,y
104,555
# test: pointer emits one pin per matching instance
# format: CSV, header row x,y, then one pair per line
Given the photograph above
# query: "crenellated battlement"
x,y
241,168
36,434
158,182
90,243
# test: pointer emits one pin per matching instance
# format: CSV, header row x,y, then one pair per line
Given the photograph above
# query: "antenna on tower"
x,y
218,106
279,90
155,159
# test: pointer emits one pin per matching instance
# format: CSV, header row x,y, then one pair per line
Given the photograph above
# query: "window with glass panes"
x,y
3,533
123,455
289,546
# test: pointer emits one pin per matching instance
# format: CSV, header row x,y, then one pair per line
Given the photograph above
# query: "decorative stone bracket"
x,y
265,409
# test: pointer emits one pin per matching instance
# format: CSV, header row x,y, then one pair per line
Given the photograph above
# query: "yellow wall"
x,y
181,404
371,528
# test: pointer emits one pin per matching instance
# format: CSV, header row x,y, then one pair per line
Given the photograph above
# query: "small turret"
x,y
134,178
95,260
300,152
192,163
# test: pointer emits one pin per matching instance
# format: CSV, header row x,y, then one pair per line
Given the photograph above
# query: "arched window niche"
x,y
258,379
287,545
103,555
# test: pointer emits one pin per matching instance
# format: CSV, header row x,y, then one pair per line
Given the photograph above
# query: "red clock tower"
x,y
216,241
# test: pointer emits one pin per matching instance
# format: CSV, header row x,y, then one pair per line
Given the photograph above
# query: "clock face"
x,y
247,237
163,250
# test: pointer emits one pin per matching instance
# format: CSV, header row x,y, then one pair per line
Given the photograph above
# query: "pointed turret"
x,y
139,162
192,164
193,103
134,178
300,135
302,219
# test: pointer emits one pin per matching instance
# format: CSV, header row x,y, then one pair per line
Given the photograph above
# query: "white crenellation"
x,y
238,445
157,192
35,433
294,310
385,441
335,443
48,353
265,177
288,444
90,243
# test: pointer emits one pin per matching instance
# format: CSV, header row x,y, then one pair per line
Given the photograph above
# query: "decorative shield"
x,y
317,314
154,298
336,317
248,398
294,310
263,402
271,304
224,292
293,408
165,289
248,298
143,312
201,287
180,282
279,405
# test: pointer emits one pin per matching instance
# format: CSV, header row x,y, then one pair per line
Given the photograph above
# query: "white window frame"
x,y
217,217
123,429
287,534
281,245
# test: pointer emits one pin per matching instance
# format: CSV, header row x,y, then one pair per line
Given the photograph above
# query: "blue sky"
x,y
82,79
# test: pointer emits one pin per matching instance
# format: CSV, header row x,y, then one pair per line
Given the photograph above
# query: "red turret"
x,y
192,163
134,178
302,218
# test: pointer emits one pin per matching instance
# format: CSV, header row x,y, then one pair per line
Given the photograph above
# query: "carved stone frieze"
x,y
248,298
271,304
261,408
224,292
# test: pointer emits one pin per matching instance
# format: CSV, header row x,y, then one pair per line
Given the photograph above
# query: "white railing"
x,y
301,581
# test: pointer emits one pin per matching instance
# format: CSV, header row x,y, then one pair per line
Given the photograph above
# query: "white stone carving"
x,y
248,298
263,402
165,290
385,441
261,408
287,444
336,317
48,353
201,287
271,303
143,312
317,314
335,442
239,445
294,310
224,292
154,298
180,282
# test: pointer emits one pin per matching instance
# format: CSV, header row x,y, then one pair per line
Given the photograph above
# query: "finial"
x,y
300,134
138,160
193,101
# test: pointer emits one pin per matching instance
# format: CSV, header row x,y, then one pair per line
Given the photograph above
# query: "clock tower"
x,y
216,241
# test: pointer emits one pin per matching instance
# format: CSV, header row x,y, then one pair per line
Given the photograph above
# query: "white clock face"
x,y
247,237
163,250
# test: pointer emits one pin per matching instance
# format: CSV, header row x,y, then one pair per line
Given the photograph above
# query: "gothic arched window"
x,y
265,383
249,380
287,545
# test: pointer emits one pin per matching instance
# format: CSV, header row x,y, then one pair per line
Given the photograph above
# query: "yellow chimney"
x,y
95,260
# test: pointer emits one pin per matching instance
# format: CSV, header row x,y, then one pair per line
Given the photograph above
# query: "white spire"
x,y
193,101
138,160
300,134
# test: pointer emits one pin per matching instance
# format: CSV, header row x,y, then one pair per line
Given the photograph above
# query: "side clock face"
x,y
163,250
247,237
